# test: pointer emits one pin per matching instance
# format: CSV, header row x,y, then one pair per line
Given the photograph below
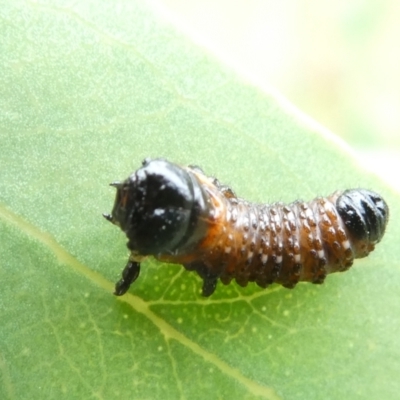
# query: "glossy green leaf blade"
x,y
86,92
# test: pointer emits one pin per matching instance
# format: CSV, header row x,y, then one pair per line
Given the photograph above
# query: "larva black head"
x,y
364,213
156,207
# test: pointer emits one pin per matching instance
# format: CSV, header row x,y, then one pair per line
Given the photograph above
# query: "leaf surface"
x,y
86,92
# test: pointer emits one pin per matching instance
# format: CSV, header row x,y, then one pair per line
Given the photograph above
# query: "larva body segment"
x,y
180,215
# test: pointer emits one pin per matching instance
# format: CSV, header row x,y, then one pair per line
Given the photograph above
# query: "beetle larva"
x,y
179,215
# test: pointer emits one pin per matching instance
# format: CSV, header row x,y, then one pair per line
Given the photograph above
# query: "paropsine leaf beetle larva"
x,y
179,215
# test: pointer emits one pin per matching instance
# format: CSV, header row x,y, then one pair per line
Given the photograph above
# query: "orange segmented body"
x,y
179,215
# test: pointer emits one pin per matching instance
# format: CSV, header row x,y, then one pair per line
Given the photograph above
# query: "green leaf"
x,y
86,92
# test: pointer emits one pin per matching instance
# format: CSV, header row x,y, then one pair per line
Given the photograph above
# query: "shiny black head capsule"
x,y
157,207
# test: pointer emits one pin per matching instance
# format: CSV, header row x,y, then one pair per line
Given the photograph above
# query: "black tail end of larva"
x,y
364,213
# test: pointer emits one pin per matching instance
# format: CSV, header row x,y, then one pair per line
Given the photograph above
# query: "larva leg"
x,y
129,275
210,279
209,285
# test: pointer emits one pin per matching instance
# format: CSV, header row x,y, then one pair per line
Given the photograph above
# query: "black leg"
x,y
210,278
209,285
129,275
